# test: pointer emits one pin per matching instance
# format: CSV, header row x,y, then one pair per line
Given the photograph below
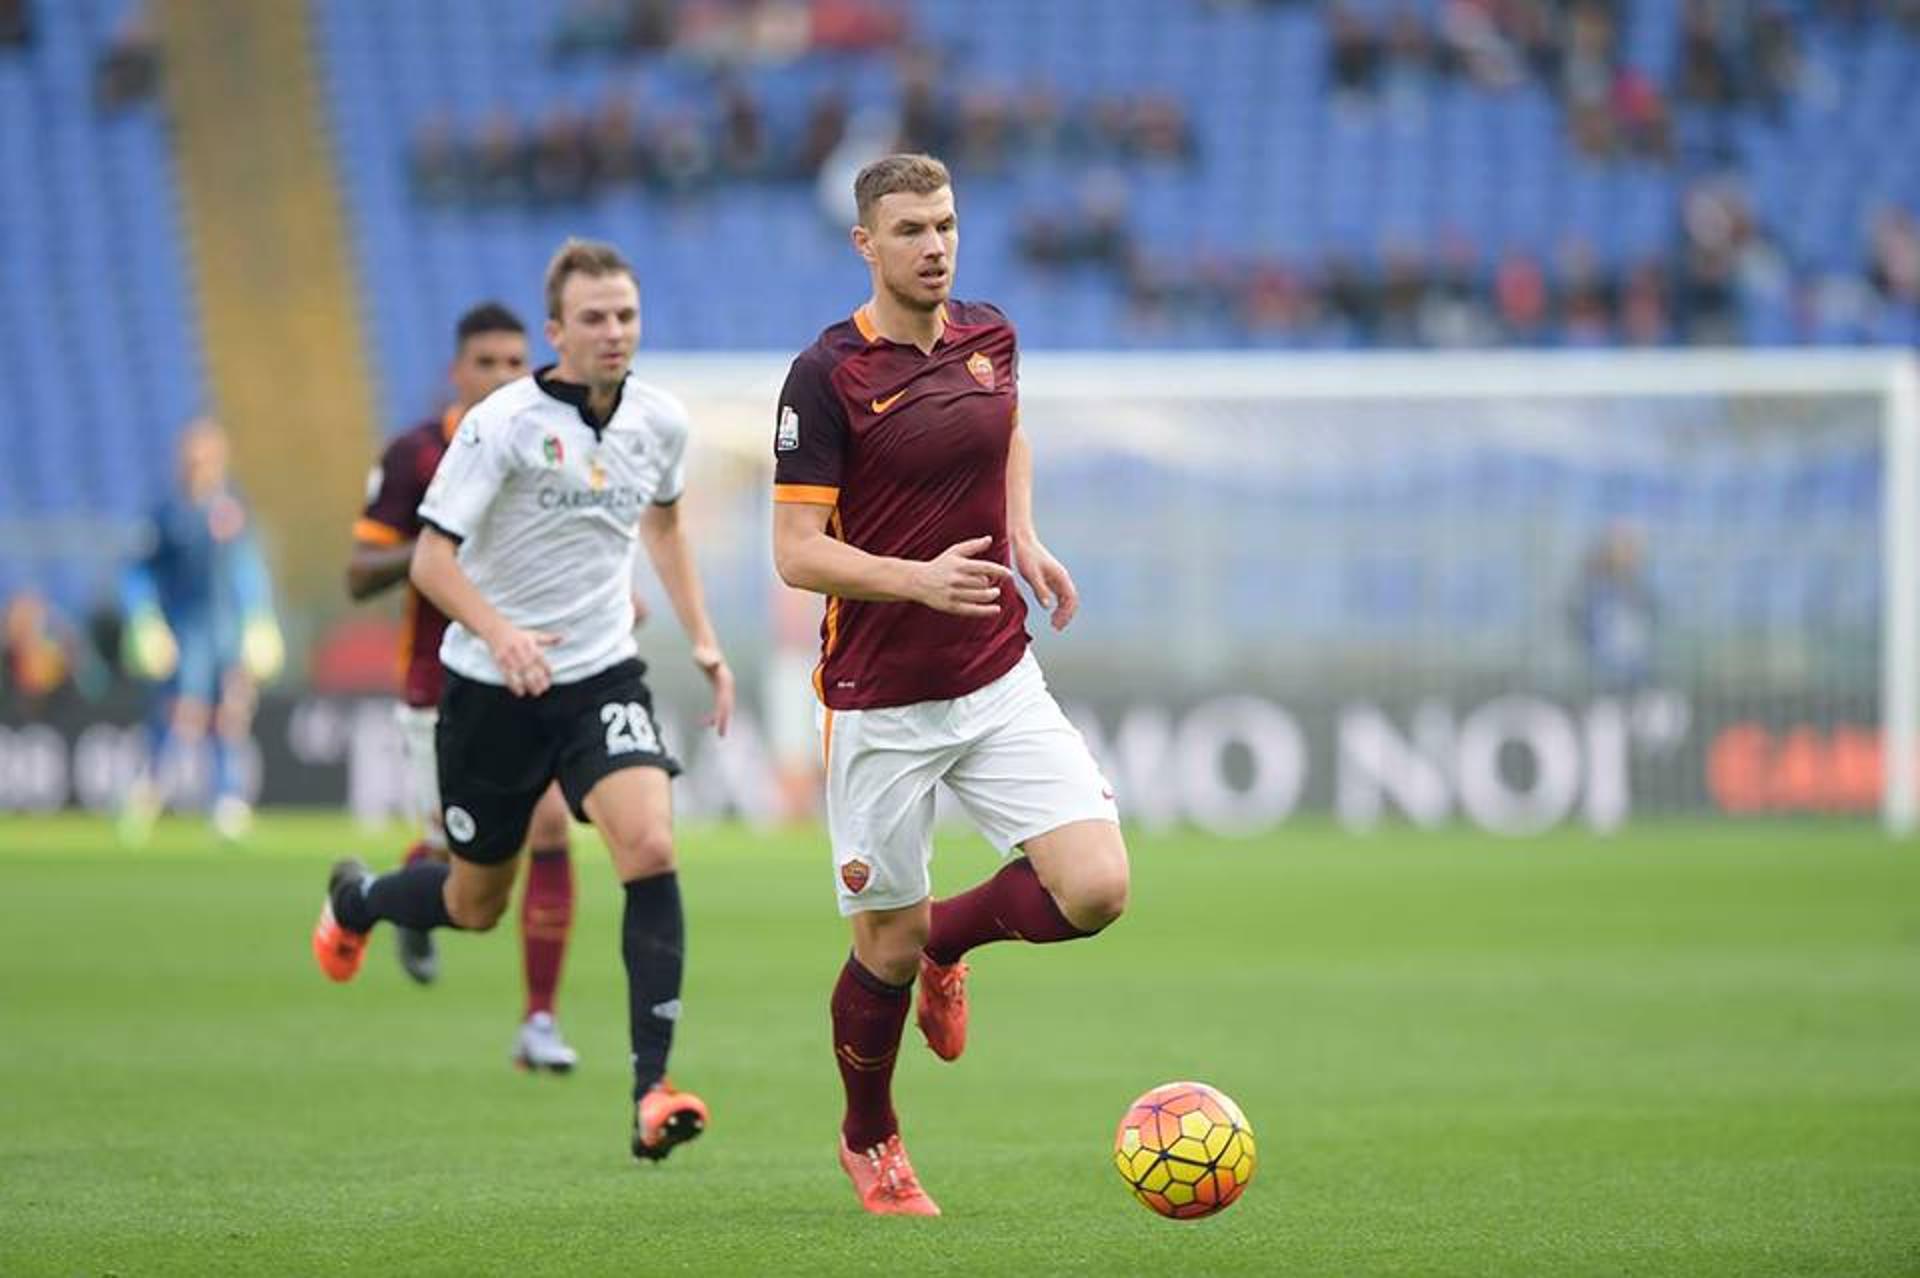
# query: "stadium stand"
x,y
1146,174
96,314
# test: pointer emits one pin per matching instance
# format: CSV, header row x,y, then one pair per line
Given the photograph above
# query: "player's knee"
x,y
189,720
642,853
476,913
233,722
1095,895
889,945
894,957
549,831
1099,898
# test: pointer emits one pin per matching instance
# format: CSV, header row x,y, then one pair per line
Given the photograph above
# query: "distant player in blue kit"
x,y
199,621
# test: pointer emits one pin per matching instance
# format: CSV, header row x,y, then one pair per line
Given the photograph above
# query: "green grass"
x,y
1691,1051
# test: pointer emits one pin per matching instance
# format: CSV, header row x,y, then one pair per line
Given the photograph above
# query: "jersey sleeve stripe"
x,y
372,530
443,530
807,494
831,636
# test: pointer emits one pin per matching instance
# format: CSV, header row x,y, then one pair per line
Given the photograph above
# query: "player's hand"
x,y
640,611
262,651
1049,580
521,656
957,583
714,667
148,648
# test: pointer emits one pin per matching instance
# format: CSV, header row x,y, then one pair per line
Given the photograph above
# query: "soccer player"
x,y
903,487
527,545
199,621
490,350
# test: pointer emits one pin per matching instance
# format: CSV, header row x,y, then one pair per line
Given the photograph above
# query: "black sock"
x,y
653,941
412,896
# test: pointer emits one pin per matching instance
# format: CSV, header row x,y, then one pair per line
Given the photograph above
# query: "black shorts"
x,y
497,752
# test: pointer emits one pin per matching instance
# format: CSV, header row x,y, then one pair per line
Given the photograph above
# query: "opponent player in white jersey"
x,y
527,545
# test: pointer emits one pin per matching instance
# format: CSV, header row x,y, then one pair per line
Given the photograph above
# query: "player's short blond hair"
x,y
583,257
915,174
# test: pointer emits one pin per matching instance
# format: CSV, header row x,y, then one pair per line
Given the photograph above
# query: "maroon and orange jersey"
x,y
394,492
910,451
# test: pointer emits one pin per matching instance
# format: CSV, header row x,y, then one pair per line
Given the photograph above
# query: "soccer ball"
x,y
1185,1150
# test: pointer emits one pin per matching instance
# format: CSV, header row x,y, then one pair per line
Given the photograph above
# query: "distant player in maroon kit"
x,y
903,489
490,351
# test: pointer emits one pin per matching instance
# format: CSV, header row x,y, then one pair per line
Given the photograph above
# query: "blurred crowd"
x,y
1573,49
126,73
1468,294
1458,297
727,31
1728,54
1724,263
16,24
627,140
45,656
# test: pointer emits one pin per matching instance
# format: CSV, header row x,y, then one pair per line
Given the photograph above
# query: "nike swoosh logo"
x,y
882,405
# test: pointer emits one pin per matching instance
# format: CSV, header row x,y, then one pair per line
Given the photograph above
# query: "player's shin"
x,y
868,1017
546,919
413,896
653,943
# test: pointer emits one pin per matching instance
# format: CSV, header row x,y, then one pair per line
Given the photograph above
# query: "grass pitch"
x,y
1688,1051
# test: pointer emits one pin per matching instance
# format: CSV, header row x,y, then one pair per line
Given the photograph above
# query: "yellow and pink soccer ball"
x,y
1185,1150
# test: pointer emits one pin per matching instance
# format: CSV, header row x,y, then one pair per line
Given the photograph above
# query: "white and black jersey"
x,y
546,508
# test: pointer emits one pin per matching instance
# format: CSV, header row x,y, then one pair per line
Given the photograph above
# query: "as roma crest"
x,y
855,874
982,369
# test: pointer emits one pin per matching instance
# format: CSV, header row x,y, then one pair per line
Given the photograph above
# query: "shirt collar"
x,y
575,394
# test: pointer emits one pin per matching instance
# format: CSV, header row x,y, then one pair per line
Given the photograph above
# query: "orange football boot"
x,y
942,1013
884,1179
338,950
665,1117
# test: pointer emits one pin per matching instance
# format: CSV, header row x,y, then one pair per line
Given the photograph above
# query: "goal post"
x,y
1900,653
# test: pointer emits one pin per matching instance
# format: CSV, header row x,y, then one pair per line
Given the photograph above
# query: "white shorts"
x,y
1008,753
417,724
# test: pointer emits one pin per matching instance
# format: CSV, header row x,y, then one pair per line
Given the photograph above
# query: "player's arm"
x,y
262,649
520,654
382,536
464,487
809,449
671,554
808,558
376,566
148,648
1046,576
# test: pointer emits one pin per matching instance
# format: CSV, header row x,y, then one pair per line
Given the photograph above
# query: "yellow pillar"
x,y
273,270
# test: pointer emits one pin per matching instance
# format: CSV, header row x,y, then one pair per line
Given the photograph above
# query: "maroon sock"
x,y
868,1015
546,917
417,853
1010,906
